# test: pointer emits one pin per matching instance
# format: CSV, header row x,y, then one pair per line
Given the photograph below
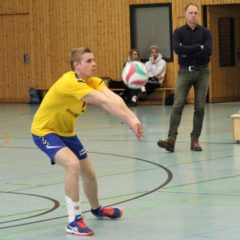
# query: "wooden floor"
x,y
183,195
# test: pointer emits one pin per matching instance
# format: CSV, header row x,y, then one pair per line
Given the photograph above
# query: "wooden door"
x,y
15,57
225,80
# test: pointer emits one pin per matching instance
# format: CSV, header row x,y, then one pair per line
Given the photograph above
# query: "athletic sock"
x,y
73,209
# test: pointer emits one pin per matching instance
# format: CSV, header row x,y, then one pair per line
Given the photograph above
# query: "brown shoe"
x,y
168,144
195,146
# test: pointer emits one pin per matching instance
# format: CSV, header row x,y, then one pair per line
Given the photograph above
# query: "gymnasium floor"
x,y
165,196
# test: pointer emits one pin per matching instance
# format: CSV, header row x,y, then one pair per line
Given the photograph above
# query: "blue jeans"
x,y
186,79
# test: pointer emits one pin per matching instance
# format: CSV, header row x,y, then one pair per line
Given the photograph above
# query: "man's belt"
x,y
194,68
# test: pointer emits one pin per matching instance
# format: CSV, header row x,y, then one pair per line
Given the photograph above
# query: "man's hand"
x,y
160,78
136,126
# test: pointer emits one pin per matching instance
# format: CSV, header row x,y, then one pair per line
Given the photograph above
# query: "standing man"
x,y
193,45
53,131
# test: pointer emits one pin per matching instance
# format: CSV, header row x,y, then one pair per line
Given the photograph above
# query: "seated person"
x,y
156,67
129,95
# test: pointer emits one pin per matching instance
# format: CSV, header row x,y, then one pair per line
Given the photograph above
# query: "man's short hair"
x,y
76,55
190,4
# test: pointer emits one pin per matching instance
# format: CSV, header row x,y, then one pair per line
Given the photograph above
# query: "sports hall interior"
x,y
168,196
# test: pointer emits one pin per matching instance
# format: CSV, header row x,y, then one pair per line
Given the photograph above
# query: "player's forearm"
x,y
112,103
119,109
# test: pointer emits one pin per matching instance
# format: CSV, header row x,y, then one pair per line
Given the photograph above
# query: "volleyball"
x,y
134,75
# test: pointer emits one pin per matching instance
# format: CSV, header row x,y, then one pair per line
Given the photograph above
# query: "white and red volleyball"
x,y
134,75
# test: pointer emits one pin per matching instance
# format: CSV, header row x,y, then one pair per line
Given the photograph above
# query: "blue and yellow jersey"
x,y
63,104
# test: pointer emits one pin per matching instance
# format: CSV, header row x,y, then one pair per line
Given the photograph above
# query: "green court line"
x,y
24,213
203,181
204,160
99,176
30,228
202,193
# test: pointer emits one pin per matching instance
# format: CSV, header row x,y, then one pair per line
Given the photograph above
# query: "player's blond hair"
x,y
76,55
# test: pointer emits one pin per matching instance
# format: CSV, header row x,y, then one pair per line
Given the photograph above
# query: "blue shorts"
x,y
52,143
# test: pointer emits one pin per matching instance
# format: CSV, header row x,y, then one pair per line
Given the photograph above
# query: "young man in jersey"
x,y
53,132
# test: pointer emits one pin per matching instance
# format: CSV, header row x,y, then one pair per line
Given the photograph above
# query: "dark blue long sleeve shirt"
x,y
187,45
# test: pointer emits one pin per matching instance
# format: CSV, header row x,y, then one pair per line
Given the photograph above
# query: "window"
x,y
151,24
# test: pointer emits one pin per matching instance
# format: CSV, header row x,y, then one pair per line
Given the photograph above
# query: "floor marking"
x,y
168,179
7,138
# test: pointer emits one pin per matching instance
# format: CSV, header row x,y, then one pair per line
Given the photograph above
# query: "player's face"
x,y
87,66
191,15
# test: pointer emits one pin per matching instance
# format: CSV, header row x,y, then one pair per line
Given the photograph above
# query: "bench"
x,y
117,89
114,89
165,91
158,96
